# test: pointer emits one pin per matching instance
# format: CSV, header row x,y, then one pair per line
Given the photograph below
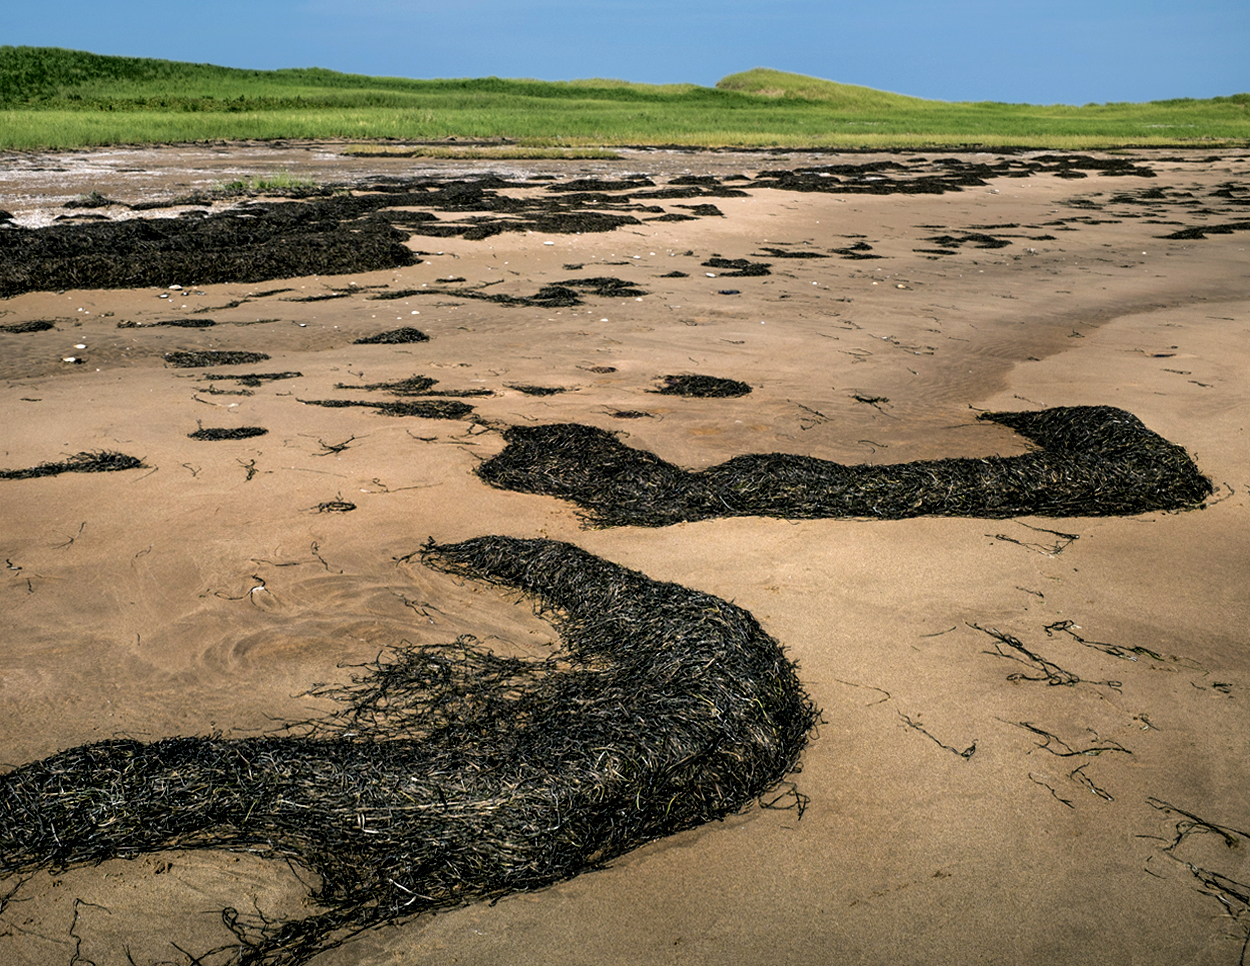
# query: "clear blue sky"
x,y
1048,52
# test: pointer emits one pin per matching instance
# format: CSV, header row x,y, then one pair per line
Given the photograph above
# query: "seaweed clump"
x,y
430,409
739,267
34,325
415,386
252,379
212,357
247,244
105,461
538,390
701,386
394,337
238,432
556,295
1091,461
448,773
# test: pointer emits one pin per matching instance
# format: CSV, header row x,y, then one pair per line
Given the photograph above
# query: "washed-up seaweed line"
x,y
1090,461
450,773
103,461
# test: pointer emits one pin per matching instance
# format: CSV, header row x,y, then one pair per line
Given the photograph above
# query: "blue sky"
x,y
1056,51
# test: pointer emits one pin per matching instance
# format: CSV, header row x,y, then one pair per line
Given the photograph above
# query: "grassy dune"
x,y
51,97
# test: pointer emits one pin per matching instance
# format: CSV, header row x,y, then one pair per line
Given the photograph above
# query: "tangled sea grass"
x,y
449,773
104,461
262,241
428,408
689,384
212,357
1091,461
234,432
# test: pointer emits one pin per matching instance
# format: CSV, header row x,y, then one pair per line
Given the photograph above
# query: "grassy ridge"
x,y
51,97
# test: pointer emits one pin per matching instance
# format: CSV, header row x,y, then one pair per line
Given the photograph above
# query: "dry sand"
x,y
206,592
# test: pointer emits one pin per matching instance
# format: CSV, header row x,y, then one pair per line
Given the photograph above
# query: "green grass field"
x,y
54,98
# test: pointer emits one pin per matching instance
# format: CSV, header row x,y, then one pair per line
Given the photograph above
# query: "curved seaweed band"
x,y
452,774
1091,461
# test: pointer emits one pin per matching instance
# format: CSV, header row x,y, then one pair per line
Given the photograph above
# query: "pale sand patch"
x,y
132,606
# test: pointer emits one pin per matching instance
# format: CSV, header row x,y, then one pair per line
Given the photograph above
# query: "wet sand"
x,y
962,809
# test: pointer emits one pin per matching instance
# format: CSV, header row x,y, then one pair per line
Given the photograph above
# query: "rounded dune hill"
x,y
780,84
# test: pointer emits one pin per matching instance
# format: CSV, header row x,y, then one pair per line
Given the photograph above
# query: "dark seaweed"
x,y
104,461
247,244
429,409
1092,461
34,325
394,337
415,386
781,253
252,378
450,774
212,357
976,239
741,267
327,233
561,294
238,432
701,386
538,390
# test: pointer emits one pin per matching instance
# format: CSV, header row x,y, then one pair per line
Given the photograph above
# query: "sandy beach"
x,y
965,801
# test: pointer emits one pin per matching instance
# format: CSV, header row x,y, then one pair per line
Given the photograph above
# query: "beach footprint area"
x,y
806,557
